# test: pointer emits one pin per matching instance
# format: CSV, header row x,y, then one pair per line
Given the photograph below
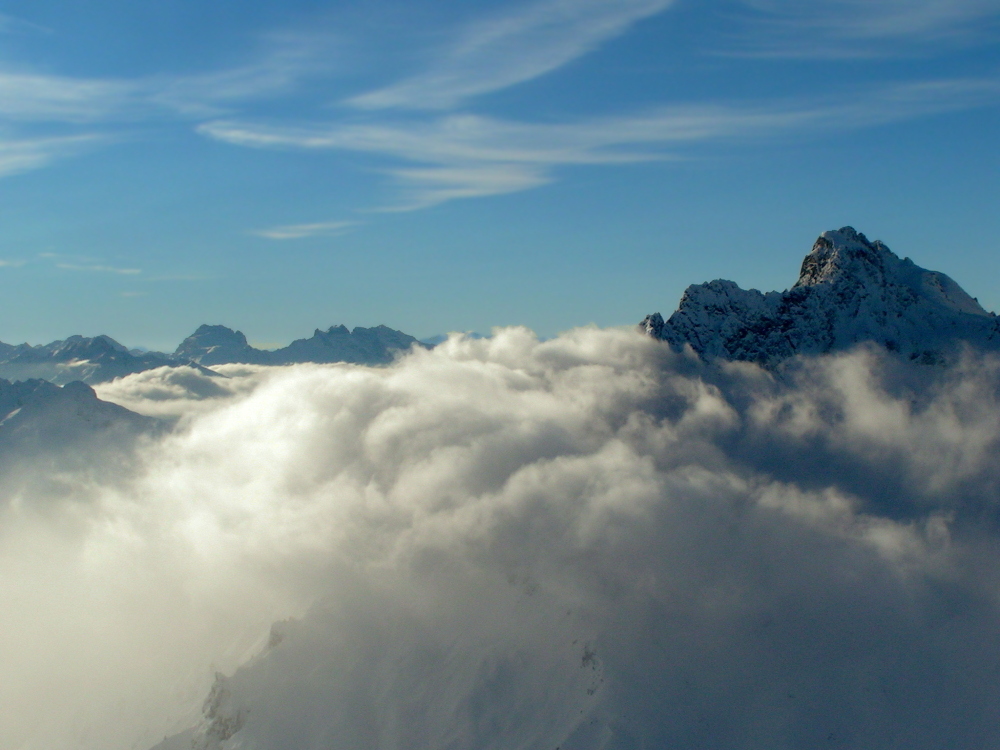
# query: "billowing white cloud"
x,y
178,392
585,542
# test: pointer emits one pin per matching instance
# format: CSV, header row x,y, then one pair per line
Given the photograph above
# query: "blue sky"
x,y
440,166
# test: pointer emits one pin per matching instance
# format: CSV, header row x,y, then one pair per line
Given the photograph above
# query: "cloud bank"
x,y
588,542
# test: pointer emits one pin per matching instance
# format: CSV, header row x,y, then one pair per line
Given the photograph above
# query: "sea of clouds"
x,y
587,542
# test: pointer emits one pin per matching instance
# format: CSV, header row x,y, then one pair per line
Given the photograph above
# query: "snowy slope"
x,y
849,290
37,416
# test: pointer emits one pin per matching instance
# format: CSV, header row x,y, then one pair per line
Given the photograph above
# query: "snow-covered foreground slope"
x,y
591,542
849,291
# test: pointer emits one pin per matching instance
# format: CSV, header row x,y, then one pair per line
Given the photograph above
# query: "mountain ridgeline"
x,y
849,291
92,360
101,358
217,345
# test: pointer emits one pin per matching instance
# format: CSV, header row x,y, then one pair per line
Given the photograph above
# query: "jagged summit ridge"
x,y
217,344
849,290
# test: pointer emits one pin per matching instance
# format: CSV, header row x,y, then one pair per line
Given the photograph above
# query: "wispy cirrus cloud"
x,y
507,49
848,28
33,102
33,97
24,154
429,186
464,156
286,61
301,231
12,25
83,263
458,156
99,268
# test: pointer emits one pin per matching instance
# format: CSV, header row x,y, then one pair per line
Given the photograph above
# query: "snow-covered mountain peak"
x,y
217,344
847,257
849,290
845,253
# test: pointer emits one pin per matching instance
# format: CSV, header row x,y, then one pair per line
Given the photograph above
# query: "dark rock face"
x,y
849,290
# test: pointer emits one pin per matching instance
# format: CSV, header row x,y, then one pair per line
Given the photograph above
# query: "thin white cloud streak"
x,y
475,156
849,28
99,268
496,53
590,534
44,98
301,231
883,18
11,25
289,59
35,97
431,186
463,156
30,99
25,154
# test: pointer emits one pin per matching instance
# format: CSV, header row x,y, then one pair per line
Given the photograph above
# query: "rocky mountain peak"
x,y
845,254
217,344
849,290
208,336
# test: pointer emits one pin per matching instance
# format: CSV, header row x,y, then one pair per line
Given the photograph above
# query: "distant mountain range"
x,y
849,290
217,345
101,358
92,360
38,417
